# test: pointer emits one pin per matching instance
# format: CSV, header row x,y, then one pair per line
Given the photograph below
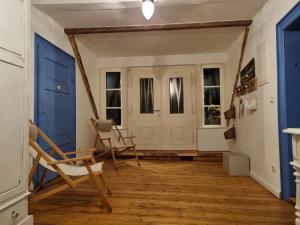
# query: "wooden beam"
x,y
83,73
245,39
158,27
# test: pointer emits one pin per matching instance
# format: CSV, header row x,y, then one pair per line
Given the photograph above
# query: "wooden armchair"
x,y
66,168
109,141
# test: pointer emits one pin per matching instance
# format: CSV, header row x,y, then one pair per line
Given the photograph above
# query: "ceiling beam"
x,y
158,27
122,3
51,2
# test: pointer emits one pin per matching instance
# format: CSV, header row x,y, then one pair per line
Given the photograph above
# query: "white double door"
x,y
160,107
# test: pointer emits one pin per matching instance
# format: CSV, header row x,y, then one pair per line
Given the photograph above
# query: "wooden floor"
x,y
163,192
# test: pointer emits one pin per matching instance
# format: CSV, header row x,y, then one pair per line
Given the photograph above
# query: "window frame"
x,y
103,94
221,86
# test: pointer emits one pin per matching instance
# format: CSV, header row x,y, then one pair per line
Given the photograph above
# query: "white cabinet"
x,y
12,29
11,130
14,212
296,165
14,112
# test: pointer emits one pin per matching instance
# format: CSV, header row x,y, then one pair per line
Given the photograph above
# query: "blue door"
x,y
292,92
288,44
55,100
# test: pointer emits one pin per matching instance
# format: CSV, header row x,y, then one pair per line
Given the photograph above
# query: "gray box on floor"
x,y
236,164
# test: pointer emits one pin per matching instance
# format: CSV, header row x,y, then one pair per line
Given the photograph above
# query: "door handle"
x,y
156,110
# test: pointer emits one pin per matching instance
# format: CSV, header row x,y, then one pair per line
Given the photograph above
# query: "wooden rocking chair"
x,y
109,141
66,168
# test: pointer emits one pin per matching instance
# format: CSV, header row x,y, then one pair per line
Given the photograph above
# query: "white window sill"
x,y
213,127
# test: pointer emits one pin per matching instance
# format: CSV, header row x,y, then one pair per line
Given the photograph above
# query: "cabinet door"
x,y
11,26
11,130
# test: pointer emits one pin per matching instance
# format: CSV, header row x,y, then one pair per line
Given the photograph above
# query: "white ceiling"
x,y
161,42
91,13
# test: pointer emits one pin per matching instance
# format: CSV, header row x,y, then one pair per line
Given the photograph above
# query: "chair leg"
x,y
102,194
97,182
114,158
34,168
43,177
107,189
136,157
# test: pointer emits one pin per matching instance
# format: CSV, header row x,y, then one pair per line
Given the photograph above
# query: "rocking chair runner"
x,y
66,168
109,141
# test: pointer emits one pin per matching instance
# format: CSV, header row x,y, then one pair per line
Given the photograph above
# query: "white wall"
x,y
257,132
162,60
195,60
53,32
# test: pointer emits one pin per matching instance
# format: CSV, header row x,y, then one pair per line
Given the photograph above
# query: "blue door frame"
x,y
55,97
287,182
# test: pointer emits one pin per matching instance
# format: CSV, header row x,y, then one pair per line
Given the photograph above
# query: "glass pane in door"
x,y
212,96
211,77
212,115
114,114
146,95
113,80
176,95
113,98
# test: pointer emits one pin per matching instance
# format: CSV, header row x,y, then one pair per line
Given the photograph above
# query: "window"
x,y
176,95
212,96
146,96
113,97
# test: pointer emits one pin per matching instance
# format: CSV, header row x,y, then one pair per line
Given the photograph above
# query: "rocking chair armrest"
x,y
84,158
104,139
129,137
84,151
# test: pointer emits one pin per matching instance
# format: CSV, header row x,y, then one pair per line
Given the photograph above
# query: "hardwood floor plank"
x,y
167,193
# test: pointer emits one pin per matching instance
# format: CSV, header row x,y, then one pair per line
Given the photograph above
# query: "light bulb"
x,y
148,8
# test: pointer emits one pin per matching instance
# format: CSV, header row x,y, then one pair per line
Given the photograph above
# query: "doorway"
x,y
55,99
288,47
160,111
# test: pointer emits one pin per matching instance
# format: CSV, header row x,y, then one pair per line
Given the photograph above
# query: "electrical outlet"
x,y
273,169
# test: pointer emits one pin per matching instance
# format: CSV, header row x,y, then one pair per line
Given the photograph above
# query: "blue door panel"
x,y
57,109
55,100
57,71
57,76
288,54
292,71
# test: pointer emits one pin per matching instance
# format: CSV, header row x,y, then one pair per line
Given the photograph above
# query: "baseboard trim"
x,y
275,191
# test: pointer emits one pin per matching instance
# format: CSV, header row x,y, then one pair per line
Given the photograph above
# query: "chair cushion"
x,y
104,125
70,170
33,132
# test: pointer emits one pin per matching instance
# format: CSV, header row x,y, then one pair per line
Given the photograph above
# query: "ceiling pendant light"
x,y
148,8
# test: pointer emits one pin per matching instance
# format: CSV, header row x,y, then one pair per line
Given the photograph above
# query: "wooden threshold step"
x,y
176,155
